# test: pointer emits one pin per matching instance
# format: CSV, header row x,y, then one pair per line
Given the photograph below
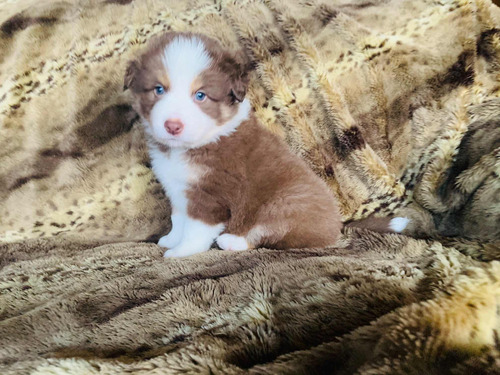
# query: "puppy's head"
x,y
188,89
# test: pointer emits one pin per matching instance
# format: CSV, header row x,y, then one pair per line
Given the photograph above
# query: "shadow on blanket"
x,y
395,104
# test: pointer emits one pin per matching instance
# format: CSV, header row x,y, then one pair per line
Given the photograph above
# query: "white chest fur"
x,y
175,174
188,236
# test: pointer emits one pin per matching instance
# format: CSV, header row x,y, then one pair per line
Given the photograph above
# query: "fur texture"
x,y
397,114
282,196
207,155
212,168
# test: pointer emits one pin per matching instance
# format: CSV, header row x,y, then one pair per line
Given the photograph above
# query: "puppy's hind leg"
x,y
228,241
258,235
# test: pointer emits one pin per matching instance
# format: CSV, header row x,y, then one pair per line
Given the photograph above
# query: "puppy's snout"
x,y
174,126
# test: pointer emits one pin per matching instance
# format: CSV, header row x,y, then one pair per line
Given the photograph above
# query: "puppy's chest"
x,y
176,173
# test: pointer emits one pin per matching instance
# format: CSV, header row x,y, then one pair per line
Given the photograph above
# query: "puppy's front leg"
x,y
174,237
197,238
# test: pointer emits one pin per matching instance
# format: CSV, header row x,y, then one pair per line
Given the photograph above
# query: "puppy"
x,y
228,179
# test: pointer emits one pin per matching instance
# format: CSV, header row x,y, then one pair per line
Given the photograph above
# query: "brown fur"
x,y
279,193
217,105
276,201
378,224
225,82
142,77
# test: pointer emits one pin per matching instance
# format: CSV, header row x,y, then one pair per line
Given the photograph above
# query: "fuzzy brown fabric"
x,y
396,104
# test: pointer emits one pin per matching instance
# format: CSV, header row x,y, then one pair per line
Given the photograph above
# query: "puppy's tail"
x,y
381,224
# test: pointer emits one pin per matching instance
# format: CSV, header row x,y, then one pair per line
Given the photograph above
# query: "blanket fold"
x,y
395,104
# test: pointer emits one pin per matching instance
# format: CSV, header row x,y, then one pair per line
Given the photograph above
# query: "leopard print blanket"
x,y
394,103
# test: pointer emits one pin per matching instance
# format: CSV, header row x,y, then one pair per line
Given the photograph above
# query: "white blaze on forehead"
x,y
184,59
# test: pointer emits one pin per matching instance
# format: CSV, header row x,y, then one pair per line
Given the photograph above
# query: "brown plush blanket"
x,y
396,104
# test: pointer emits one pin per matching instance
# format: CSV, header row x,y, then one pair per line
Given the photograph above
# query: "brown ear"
x,y
130,74
239,90
240,83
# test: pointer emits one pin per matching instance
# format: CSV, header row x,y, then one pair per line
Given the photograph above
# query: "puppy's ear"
x,y
239,90
239,83
130,74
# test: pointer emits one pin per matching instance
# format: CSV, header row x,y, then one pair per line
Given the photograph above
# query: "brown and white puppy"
x,y
228,179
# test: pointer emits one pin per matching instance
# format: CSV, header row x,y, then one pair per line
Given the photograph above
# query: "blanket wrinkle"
x,y
396,113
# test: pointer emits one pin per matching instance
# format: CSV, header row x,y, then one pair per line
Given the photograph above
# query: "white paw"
x,y
228,241
197,238
398,224
170,240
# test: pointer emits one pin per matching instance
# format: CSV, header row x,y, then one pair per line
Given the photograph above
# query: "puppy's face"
x,y
188,89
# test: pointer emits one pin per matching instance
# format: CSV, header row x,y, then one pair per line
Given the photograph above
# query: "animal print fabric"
x,y
395,104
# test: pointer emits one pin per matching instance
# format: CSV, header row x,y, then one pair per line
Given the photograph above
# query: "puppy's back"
x,y
271,189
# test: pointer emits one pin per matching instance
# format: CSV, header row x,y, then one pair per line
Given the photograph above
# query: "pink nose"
x,y
174,126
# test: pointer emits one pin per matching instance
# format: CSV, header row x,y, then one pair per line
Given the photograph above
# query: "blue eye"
x,y
200,96
159,90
